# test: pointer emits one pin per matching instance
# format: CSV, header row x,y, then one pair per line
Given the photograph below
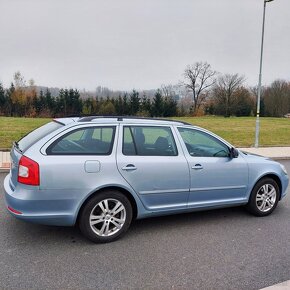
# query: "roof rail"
x,y
121,118
90,118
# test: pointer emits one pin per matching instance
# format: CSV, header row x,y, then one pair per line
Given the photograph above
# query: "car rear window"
x,y
37,134
85,141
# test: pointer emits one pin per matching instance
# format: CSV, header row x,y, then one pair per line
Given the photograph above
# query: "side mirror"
x,y
234,153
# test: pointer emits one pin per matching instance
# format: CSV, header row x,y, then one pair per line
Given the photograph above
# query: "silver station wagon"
x,y
103,172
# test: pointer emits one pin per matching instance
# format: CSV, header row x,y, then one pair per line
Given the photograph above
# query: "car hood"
x,y
252,156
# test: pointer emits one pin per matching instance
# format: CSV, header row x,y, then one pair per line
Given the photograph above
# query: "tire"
x,y
264,197
106,217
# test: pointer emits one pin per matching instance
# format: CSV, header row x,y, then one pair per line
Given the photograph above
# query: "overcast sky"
x,y
141,44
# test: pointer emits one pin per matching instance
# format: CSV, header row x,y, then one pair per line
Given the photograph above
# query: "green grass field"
x,y
238,131
12,129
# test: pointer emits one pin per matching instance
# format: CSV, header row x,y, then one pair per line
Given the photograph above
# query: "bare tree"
x,y
277,99
168,90
19,80
254,93
225,89
19,96
198,78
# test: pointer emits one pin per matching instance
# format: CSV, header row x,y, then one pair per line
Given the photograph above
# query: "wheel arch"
x,y
115,187
275,178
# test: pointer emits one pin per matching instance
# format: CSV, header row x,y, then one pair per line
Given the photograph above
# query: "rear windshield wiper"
x,y
16,145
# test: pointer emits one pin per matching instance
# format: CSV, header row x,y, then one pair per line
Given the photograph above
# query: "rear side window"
x,y
34,136
148,141
84,141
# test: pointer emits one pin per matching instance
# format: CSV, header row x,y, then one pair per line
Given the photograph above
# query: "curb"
x,y
281,286
280,158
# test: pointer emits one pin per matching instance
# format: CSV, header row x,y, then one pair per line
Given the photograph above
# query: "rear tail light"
x,y
28,171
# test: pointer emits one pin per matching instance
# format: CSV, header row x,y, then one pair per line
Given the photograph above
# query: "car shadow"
x,y
190,219
24,232
21,232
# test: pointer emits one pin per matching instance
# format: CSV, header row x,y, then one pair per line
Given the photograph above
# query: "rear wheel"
x,y
264,197
106,217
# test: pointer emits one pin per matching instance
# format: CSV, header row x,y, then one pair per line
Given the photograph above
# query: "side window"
x,y
201,144
84,141
148,141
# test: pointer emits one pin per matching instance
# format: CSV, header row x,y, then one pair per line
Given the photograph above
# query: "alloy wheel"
x,y
266,197
107,217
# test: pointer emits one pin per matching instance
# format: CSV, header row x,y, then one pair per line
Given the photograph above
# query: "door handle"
x,y
129,167
197,167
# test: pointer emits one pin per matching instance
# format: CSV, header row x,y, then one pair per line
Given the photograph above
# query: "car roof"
x,y
119,119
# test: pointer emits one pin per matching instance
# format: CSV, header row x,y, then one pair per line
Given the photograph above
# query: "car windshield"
x,y
35,135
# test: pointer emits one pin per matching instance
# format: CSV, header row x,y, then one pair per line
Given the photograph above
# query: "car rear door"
x,y
152,162
80,160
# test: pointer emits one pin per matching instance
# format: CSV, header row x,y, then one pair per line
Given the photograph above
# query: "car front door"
x,y
154,165
216,178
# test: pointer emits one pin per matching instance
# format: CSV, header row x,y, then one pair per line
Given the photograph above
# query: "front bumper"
x,y
285,183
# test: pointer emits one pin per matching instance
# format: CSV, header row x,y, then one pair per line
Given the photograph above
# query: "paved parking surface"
x,y
220,249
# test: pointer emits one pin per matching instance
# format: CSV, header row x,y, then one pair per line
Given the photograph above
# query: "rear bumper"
x,y
36,206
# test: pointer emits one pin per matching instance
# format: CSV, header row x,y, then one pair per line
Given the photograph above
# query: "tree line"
x,y
20,100
202,91
226,94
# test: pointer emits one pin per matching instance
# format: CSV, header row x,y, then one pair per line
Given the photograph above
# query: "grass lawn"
x,y
12,129
238,131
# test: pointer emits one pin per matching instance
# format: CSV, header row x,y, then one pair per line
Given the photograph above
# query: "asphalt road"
x,y
219,249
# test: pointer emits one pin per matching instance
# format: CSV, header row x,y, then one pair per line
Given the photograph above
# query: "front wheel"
x,y
264,197
106,217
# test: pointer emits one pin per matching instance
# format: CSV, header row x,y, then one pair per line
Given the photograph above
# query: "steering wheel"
x,y
216,154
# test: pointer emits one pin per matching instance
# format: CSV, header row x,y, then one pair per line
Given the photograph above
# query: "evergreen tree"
x,y
134,103
169,107
157,105
60,104
119,106
87,107
42,106
145,105
126,107
107,108
36,102
76,102
50,102
243,103
67,102
10,108
96,106
2,99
